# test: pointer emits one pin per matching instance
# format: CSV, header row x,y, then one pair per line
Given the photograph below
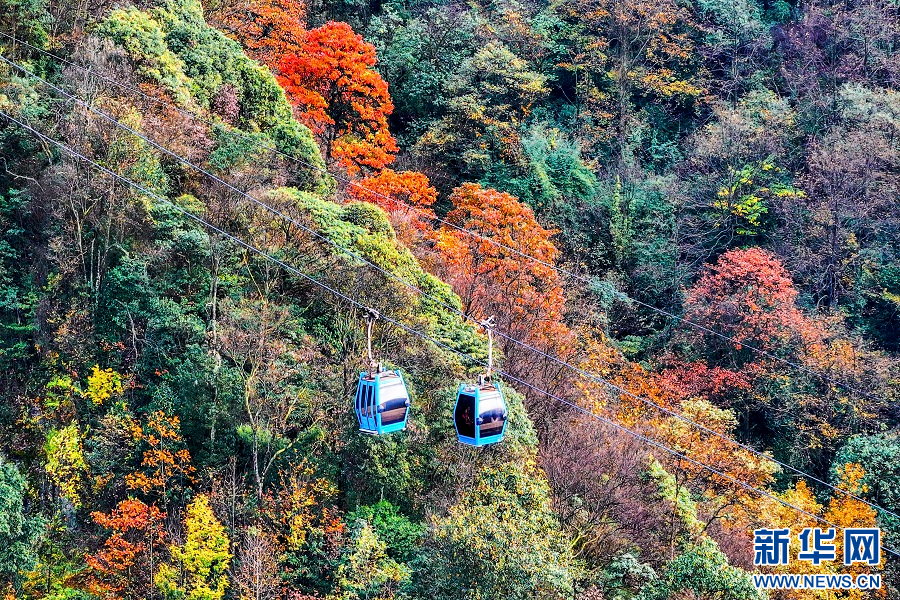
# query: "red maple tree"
x,y
336,92
697,379
748,295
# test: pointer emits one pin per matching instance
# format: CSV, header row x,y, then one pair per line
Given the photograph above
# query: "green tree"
x,y
501,540
703,569
18,532
26,20
401,536
625,576
173,47
736,178
418,56
17,295
487,104
880,453
553,179
366,571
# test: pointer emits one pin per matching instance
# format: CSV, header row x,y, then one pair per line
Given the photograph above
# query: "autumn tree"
x,y
647,403
267,29
851,184
200,569
102,385
846,511
124,566
736,181
335,90
698,380
406,196
742,203
725,504
301,515
65,461
166,462
620,51
749,296
595,472
634,386
841,510
489,270
257,574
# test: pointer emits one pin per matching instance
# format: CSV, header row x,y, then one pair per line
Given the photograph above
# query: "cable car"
x,y
480,412
382,400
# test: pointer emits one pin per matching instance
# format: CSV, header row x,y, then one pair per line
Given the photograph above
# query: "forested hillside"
x,y
681,217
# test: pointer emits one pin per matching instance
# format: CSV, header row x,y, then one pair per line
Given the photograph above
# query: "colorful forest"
x,y
683,216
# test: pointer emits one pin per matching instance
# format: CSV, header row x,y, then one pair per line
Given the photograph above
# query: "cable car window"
x,y
465,415
369,408
491,402
491,410
393,399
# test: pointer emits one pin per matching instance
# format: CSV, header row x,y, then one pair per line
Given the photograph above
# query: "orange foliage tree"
x,y
124,566
722,498
494,279
633,382
267,29
396,193
165,460
331,82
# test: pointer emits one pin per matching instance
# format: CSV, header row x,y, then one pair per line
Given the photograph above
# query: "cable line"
x,y
588,281
591,376
416,332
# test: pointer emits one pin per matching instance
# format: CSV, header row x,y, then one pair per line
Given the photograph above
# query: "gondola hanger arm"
x,y
371,317
489,325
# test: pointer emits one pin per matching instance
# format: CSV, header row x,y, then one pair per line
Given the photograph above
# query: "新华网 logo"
x,y
861,545
771,548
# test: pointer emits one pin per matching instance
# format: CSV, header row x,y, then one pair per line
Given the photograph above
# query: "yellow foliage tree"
x,y
201,563
103,384
65,461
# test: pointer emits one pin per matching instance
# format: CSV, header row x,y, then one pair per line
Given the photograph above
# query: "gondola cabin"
x,y
382,402
480,414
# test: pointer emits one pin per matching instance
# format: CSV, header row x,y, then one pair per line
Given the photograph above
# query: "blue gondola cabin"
x,y
480,414
382,402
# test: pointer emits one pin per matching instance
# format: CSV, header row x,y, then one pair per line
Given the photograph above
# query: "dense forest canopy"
x,y
682,219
